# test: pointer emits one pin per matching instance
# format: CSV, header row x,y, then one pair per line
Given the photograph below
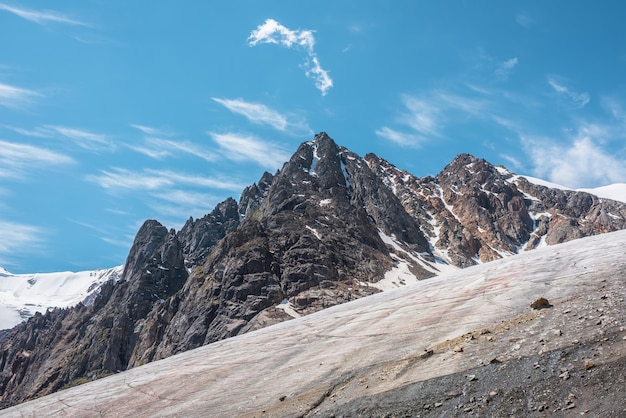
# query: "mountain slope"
x,y
328,228
466,341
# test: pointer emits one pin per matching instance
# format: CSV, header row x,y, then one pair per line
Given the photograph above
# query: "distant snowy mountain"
x,y
22,295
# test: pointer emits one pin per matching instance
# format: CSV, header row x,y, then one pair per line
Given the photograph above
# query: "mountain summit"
x,y
327,228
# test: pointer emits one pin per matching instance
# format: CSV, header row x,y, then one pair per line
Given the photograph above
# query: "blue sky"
x,y
113,112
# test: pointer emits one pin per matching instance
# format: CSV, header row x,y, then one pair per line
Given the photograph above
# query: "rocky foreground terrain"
x,y
328,228
467,343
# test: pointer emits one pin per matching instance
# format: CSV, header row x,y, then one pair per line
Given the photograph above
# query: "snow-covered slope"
x,y
615,191
469,323
21,295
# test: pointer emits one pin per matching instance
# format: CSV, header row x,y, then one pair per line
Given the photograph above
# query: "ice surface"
x,y
292,364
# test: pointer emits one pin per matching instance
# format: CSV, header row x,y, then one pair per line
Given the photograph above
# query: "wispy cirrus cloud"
x,y
424,117
580,99
402,139
16,97
16,237
18,159
159,144
504,69
84,139
120,179
272,32
238,147
262,114
42,17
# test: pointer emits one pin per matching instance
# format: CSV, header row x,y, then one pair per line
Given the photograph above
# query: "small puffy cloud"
x,y
580,99
41,17
16,97
272,32
524,19
18,159
259,113
238,147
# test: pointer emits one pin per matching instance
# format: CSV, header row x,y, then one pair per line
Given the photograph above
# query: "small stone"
x,y
493,393
438,404
540,303
457,349
571,406
588,364
471,377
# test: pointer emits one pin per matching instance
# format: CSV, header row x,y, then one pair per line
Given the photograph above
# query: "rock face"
x,y
70,346
327,228
475,212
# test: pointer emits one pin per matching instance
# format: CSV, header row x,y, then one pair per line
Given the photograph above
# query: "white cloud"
x,y
580,99
84,139
582,163
119,179
272,32
149,130
16,159
41,17
402,139
524,19
259,113
159,148
249,148
504,69
186,147
17,236
16,97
